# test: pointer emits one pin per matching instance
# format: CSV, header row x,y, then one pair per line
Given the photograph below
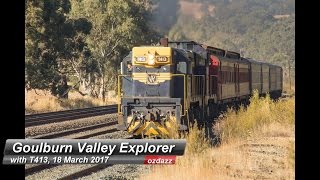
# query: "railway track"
x,y
77,130
60,116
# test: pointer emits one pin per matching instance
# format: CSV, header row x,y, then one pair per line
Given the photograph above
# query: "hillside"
x,y
263,30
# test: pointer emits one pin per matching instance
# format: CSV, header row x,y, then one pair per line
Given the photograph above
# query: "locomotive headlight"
x,y
141,59
151,60
162,59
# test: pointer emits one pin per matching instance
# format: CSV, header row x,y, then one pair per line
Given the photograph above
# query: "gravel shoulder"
x,y
119,171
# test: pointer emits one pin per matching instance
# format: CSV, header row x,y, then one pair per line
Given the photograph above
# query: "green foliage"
x,y
117,26
50,41
82,38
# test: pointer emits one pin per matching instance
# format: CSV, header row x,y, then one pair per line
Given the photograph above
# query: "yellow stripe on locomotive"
x,y
143,77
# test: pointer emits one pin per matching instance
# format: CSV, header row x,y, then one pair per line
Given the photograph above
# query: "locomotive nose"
x,y
151,126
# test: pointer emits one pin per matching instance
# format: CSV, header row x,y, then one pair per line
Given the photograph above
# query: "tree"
x,y
49,37
117,25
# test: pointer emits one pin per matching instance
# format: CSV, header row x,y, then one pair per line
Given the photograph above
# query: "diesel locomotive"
x,y
162,88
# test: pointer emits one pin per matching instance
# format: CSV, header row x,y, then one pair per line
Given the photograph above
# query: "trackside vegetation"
x,y
255,142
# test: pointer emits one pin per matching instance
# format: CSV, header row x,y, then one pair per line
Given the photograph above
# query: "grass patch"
x,y
37,101
197,143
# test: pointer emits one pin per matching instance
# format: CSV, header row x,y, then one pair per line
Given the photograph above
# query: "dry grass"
x,y
37,101
250,121
257,143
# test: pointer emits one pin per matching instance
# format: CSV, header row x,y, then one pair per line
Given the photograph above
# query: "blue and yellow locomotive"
x,y
163,88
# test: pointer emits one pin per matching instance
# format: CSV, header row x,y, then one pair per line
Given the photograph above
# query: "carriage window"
x,y
182,67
